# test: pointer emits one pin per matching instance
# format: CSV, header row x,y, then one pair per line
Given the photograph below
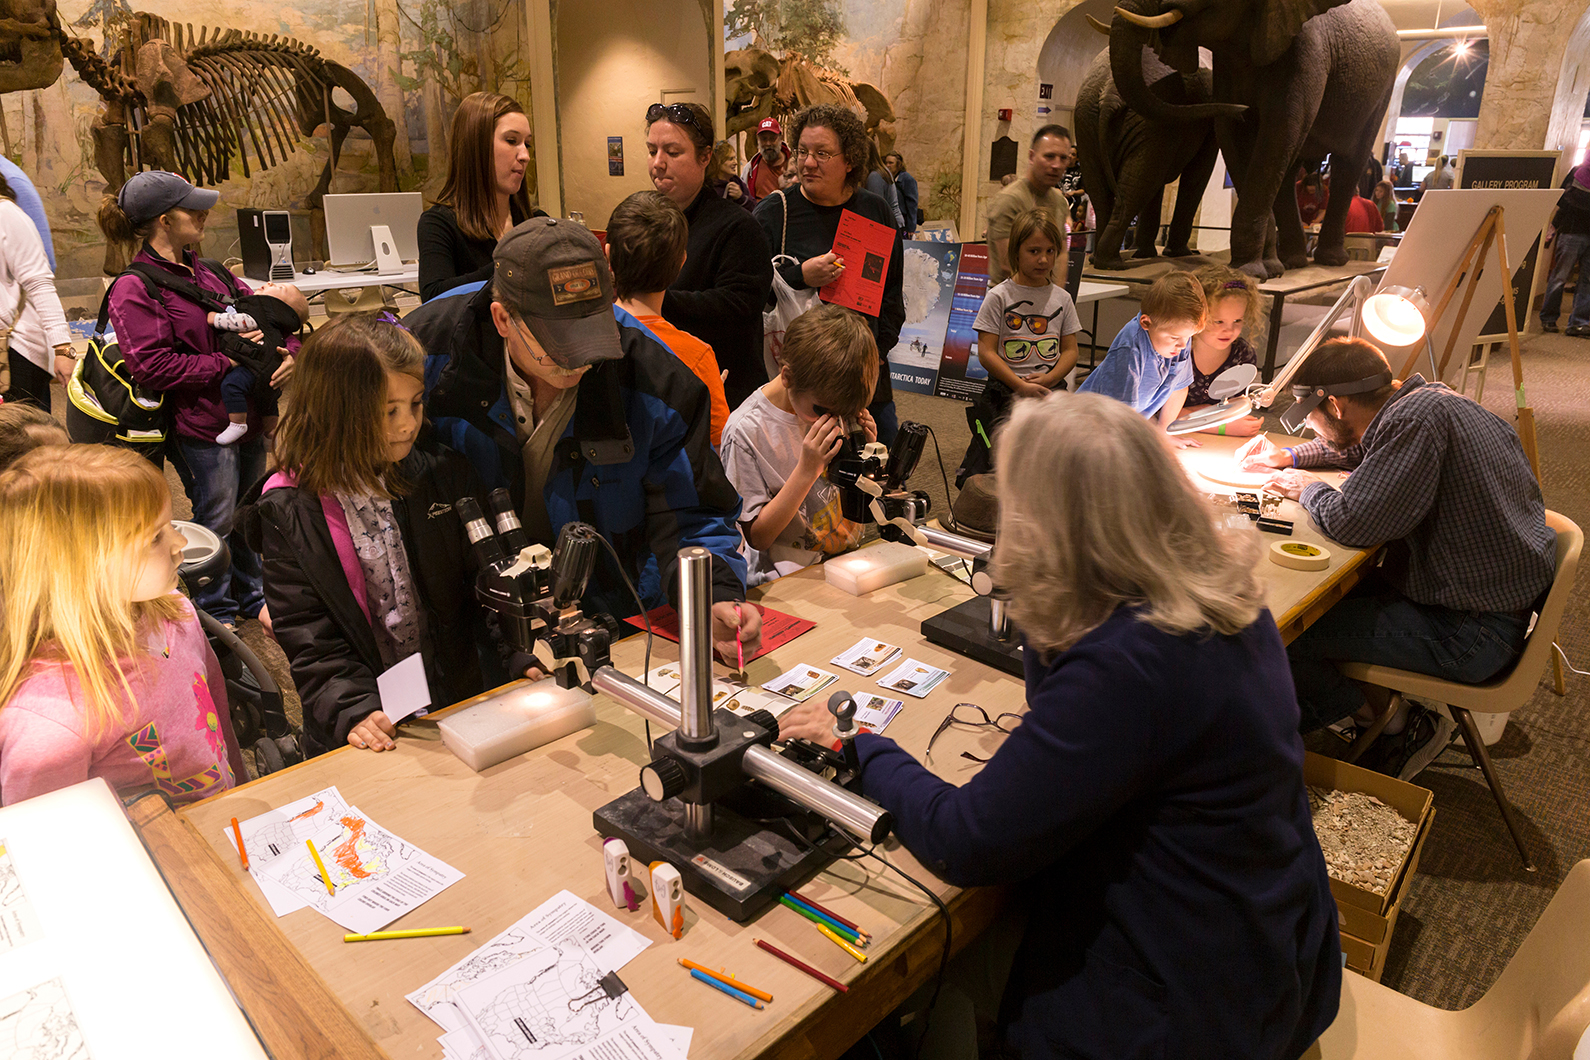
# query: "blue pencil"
x,y
848,933
738,995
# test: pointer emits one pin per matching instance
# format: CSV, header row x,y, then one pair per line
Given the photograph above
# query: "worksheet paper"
x,y
564,918
19,924
866,657
463,1045
913,678
551,1004
377,877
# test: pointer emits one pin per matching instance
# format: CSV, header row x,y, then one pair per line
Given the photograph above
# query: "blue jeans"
x,y
886,418
1376,624
215,476
1571,249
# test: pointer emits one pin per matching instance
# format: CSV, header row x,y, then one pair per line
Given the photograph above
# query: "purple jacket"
x,y
169,346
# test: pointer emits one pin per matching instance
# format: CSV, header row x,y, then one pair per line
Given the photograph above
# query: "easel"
x,y
1492,232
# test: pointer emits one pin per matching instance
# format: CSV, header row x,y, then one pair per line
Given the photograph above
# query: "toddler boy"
x,y
777,444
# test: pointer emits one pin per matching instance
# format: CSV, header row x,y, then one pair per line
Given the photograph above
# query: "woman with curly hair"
x,y
1154,782
832,153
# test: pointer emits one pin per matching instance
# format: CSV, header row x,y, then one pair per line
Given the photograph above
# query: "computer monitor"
x,y
349,217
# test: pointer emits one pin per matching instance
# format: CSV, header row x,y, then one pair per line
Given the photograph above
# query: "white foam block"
x,y
875,566
514,721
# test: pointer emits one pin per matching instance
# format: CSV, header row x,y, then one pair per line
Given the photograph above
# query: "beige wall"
x,y
925,81
614,59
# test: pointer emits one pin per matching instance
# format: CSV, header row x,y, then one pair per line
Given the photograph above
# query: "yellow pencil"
x,y
841,943
409,933
321,865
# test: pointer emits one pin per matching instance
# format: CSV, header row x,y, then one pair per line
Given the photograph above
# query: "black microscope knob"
x,y
662,779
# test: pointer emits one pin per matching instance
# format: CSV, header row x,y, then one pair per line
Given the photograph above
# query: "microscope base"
x,y
964,629
743,867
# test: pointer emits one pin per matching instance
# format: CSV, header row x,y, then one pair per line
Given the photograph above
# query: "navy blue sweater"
x,y
1154,799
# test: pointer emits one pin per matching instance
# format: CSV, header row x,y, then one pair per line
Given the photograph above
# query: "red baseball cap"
x,y
770,125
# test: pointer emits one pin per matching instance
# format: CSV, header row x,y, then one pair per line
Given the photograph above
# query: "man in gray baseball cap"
x,y
582,414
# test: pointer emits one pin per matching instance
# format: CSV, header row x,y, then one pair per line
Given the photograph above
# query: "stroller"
x,y
258,716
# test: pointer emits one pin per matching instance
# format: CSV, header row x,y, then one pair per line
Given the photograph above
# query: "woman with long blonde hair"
x,y
104,669
1150,799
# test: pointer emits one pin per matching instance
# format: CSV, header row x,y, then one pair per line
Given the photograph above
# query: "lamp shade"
x,y
1228,411
1395,316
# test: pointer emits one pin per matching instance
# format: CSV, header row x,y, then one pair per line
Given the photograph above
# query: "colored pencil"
x,y
803,966
726,988
817,918
238,832
831,915
842,944
321,865
725,977
406,933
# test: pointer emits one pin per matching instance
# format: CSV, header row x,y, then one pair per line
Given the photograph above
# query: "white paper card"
x,y
801,683
874,713
913,678
19,924
404,690
866,656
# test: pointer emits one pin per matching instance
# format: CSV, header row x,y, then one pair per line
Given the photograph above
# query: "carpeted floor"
x,y
1471,903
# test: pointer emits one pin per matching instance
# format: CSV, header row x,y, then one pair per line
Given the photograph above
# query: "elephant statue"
x,y
1294,81
1128,159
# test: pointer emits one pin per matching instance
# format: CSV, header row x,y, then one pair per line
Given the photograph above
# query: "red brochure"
x,y
865,247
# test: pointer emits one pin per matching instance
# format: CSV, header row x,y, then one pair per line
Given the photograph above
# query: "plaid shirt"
x,y
1320,453
1447,486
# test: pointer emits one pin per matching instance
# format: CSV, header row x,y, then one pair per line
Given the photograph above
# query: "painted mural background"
x,y
420,56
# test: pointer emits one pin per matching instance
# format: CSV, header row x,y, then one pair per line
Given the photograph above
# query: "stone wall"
x,y
925,80
1529,40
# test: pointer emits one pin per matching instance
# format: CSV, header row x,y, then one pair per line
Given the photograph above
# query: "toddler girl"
x,y
1234,304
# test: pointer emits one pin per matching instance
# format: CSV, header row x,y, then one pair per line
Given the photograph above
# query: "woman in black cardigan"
x,y
484,195
728,271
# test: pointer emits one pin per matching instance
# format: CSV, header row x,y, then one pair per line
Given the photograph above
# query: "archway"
x,y
1570,116
1064,59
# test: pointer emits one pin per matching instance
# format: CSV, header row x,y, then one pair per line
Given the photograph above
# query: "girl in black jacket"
x,y
366,562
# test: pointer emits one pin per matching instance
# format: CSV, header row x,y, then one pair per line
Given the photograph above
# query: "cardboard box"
x,y
1367,919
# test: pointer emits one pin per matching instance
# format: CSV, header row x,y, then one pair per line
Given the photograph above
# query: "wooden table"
x,y
522,831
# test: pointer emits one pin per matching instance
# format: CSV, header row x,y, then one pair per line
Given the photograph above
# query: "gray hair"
x,y
1095,513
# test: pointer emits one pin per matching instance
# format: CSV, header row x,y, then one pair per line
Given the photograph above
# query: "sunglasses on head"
x,y
678,113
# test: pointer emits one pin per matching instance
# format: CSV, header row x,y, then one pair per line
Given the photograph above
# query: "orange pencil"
x,y
725,977
238,832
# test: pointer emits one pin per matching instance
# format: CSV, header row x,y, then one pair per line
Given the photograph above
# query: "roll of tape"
x,y
1299,555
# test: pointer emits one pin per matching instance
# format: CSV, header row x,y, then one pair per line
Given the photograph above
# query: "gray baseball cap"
x,y
553,275
148,195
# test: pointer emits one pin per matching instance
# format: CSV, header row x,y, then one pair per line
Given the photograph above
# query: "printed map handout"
x,y
19,924
39,1024
377,875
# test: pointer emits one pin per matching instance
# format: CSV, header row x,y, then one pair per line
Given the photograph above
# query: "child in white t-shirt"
x,y
777,444
1027,326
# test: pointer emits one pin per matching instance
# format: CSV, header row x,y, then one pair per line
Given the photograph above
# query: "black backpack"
x,y
103,389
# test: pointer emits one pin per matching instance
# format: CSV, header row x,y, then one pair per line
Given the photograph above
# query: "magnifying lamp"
x,y
1231,385
1395,316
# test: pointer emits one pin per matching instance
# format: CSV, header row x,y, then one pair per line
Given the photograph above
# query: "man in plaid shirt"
x,y
1445,486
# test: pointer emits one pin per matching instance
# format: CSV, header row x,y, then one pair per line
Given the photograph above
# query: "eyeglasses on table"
x,y
973,715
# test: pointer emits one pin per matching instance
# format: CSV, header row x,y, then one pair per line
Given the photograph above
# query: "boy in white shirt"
x,y
777,444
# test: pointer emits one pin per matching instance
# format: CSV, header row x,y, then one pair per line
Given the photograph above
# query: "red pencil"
x,y
803,966
830,914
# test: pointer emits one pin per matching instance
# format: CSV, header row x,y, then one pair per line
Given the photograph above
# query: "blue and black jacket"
x,y
636,460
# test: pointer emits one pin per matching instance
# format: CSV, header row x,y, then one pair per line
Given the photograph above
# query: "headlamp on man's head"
x,y
1305,399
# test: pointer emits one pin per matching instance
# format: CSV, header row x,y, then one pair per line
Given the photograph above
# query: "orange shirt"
x,y
700,359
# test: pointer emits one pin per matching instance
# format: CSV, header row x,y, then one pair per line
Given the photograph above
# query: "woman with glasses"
x,y
1150,804
728,271
831,156
484,195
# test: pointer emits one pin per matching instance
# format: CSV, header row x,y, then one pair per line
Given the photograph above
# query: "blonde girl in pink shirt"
x,y
104,669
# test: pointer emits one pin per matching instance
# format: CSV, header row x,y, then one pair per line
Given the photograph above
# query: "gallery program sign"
x,y
1509,170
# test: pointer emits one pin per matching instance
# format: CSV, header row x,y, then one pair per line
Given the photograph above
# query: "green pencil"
x,y
820,921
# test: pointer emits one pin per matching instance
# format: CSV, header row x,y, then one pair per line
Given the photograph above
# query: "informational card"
x,y
866,656
913,678
403,689
801,683
865,247
739,698
778,629
874,713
